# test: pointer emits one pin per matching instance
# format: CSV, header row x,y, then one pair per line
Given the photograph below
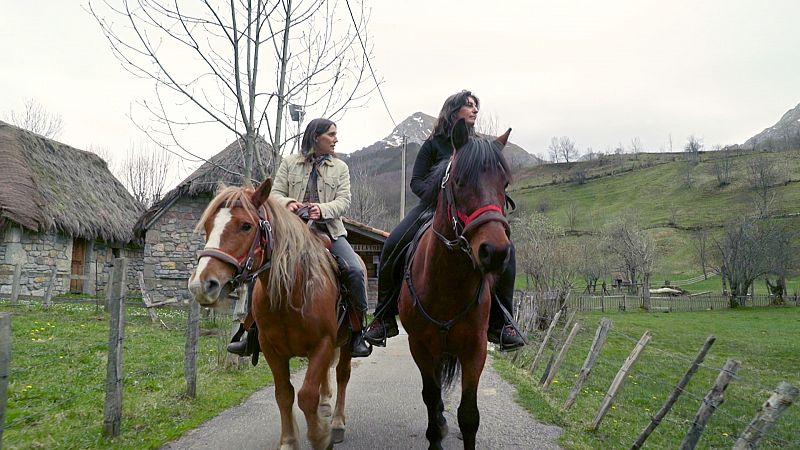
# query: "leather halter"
x,y
462,223
262,242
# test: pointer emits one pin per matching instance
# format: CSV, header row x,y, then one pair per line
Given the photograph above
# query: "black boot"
x,y
359,348
380,329
244,345
507,337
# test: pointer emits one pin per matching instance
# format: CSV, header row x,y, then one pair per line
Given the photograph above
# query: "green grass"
x,y
58,370
765,340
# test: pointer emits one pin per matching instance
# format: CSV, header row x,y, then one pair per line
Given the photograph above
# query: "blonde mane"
x,y
295,251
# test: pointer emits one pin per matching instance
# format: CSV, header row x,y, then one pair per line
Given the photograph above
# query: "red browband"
x,y
483,209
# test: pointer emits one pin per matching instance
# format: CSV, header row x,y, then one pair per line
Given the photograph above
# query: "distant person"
x,y
318,180
438,147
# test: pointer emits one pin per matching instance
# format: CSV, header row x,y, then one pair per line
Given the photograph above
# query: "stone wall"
x,y
38,252
171,247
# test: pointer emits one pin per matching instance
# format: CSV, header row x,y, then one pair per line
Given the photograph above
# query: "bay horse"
x,y
294,287
445,301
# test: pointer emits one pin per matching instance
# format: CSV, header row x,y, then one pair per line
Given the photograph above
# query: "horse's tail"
x,y
450,370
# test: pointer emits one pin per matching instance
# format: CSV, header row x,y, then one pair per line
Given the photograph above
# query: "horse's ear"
x,y
262,193
503,140
460,134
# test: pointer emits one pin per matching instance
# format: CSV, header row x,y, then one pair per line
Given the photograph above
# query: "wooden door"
x,y
78,264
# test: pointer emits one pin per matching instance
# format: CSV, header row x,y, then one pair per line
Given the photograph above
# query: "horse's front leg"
x,y
339,423
431,394
326,390
468,415
319,431
284,395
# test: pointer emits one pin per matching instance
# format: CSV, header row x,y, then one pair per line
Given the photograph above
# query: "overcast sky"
x,y
600,72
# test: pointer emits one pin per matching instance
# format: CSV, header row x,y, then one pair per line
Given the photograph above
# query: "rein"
x,y
262,242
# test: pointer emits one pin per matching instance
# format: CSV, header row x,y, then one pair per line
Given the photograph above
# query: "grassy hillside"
x,y
656,186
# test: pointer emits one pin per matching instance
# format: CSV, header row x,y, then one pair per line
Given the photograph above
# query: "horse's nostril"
x,y
491,257
211,286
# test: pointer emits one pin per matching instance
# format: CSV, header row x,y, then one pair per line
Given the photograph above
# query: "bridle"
x,y
462,223
262,242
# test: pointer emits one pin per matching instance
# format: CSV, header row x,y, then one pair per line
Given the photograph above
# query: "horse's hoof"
x,y
325,410
337,436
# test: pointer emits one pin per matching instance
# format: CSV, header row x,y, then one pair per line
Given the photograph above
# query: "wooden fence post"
x,y
591,358
544,342
783,397
190,355
5,361
112,414
673,397
711,402
15,284
49,294
561,355
146,299
619,379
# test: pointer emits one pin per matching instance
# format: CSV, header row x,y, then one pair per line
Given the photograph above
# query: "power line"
x,y
364,48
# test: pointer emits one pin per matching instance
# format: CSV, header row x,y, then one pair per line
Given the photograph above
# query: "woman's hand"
x,y
314,213
294,206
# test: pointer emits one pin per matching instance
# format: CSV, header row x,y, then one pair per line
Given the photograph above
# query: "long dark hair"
x,y
447,116
314,128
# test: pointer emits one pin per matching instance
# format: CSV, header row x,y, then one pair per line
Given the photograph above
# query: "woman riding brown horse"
x,y
252,238
445,300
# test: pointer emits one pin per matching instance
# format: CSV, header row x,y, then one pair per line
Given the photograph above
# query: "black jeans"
x,y
390,278
353,272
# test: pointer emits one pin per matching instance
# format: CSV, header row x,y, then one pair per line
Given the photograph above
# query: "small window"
x,y
115,252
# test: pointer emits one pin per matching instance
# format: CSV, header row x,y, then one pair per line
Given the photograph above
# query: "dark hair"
x,y
447,116
314,128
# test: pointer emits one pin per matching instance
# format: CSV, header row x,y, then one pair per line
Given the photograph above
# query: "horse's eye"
x,y
246,226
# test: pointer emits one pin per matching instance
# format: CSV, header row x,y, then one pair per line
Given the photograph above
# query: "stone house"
x,y
61,207
171,246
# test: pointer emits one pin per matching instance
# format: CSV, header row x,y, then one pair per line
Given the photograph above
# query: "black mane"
x,y
476,157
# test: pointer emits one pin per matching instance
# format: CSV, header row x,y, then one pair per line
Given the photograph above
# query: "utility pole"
x,y
403,179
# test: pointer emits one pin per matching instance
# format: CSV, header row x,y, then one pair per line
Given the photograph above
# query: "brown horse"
x,y
249,237
444,304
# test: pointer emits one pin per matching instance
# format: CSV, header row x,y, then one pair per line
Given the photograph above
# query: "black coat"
x,y
433,151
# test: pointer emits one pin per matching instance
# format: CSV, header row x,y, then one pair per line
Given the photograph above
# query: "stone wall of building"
x,y
39,252
171,247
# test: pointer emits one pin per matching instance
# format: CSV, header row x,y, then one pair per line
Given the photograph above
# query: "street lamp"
x,y
296,112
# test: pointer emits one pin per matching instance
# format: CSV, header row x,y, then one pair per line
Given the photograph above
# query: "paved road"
x,y
384,411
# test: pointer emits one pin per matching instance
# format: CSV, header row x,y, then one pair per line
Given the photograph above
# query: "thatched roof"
x,y
49,186
224,167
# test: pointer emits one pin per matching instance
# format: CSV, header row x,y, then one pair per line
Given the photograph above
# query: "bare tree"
x,y
763,173
366,204
569,152
144,173
592,263
700,242
554,150
693,147
749,249
723,167
36,119
239,65
572,215
548,264
636,145
634,248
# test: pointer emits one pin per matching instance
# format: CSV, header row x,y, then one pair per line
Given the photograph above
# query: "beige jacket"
x,y
333,184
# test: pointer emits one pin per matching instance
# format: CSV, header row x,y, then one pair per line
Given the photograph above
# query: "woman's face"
x,y
468,112
325,143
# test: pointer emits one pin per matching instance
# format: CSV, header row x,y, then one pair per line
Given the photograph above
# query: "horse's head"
x,y
473,195
237,236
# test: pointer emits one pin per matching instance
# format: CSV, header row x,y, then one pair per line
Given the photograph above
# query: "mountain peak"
x,y
416,127
784,134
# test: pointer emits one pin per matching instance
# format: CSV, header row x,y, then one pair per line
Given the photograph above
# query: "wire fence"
x,y
647,383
